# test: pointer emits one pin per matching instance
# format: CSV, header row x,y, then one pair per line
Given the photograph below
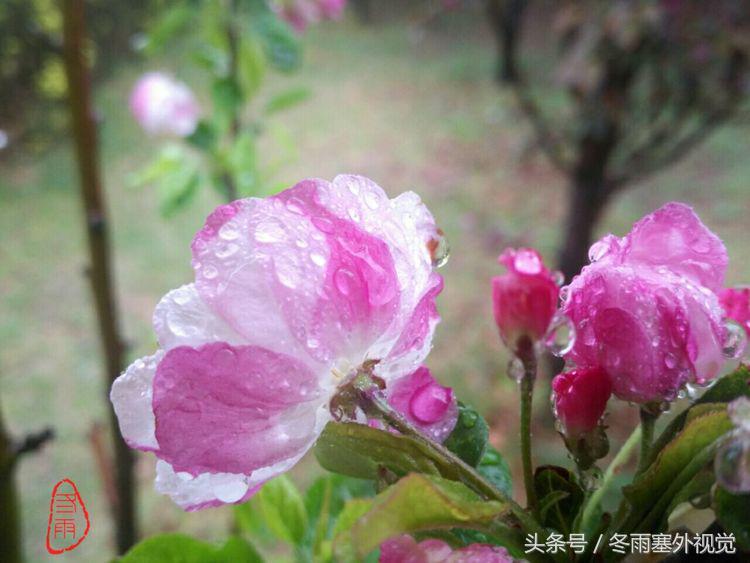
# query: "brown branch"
x,y
92,196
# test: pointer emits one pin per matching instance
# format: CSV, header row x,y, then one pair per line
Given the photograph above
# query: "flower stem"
x,y
648,422
593,502
372,401
527,395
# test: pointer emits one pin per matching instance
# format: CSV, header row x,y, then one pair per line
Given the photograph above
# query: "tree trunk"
x,y
505,19
84,133
10,530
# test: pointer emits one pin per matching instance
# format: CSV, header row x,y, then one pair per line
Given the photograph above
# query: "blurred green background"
x,y
412,106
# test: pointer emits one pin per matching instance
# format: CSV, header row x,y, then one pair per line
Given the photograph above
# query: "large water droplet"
x,y
440,250
230,491
318,259
735,340
739,412
561,335
598,251
516,370
210,272
527,262
270,231
732,463
228,232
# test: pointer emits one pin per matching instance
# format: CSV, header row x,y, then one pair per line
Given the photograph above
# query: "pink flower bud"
x,y
425,403
164,106
403,549
736,304
525,298
645,310
580,397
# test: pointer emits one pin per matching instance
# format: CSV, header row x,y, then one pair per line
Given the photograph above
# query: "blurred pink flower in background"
x,y
580,397
425,403
646,310
164,106
302,13
292,294
405,549
525,298
736,304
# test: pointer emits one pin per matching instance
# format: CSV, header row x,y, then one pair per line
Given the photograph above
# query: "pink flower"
x,y
736,304
292,294
425,403
302,13
525,298
164,106
580,397
405,549
646,310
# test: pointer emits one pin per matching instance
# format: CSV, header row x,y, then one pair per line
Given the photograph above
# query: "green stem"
x,y
595,499
527,395
10,531
375,404
648,422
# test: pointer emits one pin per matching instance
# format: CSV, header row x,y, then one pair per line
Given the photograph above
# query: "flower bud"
x,y
425,403
404,548
580,397
164,106
524,298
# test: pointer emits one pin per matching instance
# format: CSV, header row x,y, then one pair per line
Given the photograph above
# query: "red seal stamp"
x,y
68,523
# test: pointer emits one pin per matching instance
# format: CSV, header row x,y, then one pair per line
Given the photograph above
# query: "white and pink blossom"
x,y
164,106
292,293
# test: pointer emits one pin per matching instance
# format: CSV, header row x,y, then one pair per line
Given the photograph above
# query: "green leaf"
x,y
284,510
227,98
650,491
204,137
724,390
176,190
251,66
357,450
469,438
494,468
179,548
281,44
287,99
733,513
242,161
415,503
560,497
172,21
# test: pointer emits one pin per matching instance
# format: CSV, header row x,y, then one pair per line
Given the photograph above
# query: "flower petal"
x,y
182,318
230,409
674,237
131,397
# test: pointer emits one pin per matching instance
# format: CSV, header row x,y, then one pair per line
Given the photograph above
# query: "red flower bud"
x,y
580,397
525,298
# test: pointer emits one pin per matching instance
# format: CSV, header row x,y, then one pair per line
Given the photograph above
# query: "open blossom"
x,y
425,403
302,13
524,298
580,397
164,106
736,304
292,293
405,549
646,310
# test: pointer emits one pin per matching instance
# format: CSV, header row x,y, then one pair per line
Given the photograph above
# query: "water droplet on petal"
x,y
210,272
732,463
735,340
343,280
516,370
231,491
598,250
440,250
561,335
270,231
228,232
312,343
558,277
527,262
318,259
371,200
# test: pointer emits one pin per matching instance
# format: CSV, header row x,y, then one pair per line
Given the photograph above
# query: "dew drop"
x,y
670,360
270,231
598,251
210,272
558,277
732,463
440,250
527,262
735,340
371,200
343,280
312,343
318,259
354,214
231,491
226,250
228,232
561,335
301,243
516,370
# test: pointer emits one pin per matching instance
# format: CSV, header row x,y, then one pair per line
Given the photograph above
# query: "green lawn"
x,y
411,114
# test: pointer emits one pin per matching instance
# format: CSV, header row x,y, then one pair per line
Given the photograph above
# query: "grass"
x,y
412,111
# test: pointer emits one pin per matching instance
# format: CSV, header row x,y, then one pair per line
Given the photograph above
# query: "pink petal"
x,y
674,237
230,409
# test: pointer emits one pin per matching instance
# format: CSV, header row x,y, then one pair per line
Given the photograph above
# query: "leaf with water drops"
x,y
469,438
